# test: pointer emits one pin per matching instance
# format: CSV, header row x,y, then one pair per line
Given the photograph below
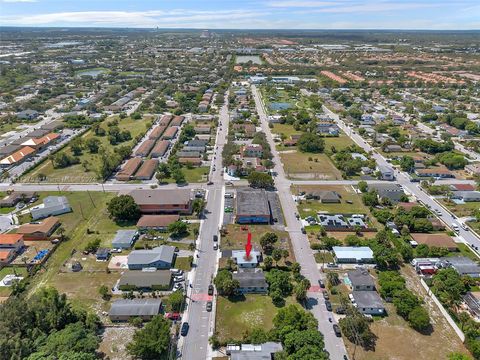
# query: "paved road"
x,y
301,246
195,344
403,179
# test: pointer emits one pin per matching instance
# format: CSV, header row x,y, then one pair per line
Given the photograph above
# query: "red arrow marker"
x,y
248,247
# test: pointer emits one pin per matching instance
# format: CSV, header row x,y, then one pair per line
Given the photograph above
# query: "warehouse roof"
x,y
161,197
252,202
135,307
143,257
353,252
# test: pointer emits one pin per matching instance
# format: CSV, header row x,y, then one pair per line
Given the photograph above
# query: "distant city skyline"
x,y
248,14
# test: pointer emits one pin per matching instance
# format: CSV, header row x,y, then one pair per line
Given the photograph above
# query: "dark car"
x,y
210,289
184,329
328,305
337,331
304,231
215,238
321,283
209,306
325,296
340,310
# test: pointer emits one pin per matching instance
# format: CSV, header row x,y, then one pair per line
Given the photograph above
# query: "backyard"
x,y
237,315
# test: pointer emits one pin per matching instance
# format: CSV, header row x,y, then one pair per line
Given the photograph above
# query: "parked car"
x,y
215,246
184,329
332,265
215,238
325,296
173,316
337,331
321,283
340,310
210,289
328,305
209,306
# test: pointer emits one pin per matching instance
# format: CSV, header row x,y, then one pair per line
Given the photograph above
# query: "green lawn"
x,y
285,129
462,210
323,257
81,173
197,174
182,263
464,251
237,315
298,165
312,207
340,142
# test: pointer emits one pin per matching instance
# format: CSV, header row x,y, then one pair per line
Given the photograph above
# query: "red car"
x,y
173,316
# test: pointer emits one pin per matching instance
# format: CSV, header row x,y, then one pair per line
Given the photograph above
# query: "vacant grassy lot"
x,y
237,315
19,271
297,165
341,142
237,238
284,129
86,170
183,263
196,175
89,220
312,207
461,210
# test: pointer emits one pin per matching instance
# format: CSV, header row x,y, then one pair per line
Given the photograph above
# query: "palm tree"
x,y
61,232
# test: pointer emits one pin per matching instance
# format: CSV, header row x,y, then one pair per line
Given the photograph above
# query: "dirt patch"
x,y
115,340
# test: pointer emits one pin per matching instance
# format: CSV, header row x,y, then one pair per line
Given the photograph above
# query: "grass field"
x,y
461,210
20,271
89,213
196,175
237,238
284,129
183,263
81,173
340,142
312,207
238,315
297,165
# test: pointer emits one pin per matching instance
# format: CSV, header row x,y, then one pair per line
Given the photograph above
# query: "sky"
x,y
245,14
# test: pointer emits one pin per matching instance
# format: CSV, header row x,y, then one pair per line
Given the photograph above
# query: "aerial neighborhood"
x,y
202,194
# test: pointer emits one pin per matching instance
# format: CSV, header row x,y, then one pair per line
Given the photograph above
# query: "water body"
x,y
243,59
91,72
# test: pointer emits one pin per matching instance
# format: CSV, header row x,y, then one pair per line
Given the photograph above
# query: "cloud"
x,y
141,19
299,4
19,1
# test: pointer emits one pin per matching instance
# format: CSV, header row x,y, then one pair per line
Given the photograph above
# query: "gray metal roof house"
x,y
161,257
124,309
361,280
252,206
369,302
52,205
463,265
263,351
241,260
251,281
145,280
124,239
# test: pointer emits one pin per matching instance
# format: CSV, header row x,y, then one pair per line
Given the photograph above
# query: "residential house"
x,y
265,351
159,280
353,254
392,192
240,258
437,172
466,196
124,239
327,128
251,281
146,170
161,257
102,254
129,169
463,265
156,222
28,114
17,196
361,280
369,302
392,148
473,168
39,230
437,240
386,172
160,148
124,309
52,205
252,151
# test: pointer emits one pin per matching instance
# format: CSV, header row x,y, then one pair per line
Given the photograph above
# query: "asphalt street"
x,y
303,254
195,345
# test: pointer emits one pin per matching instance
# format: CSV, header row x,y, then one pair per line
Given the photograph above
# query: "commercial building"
x,y
252,206
159,201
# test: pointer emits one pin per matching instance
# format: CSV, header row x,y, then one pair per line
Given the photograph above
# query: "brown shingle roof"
x,y
147,169
439,240
44,226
